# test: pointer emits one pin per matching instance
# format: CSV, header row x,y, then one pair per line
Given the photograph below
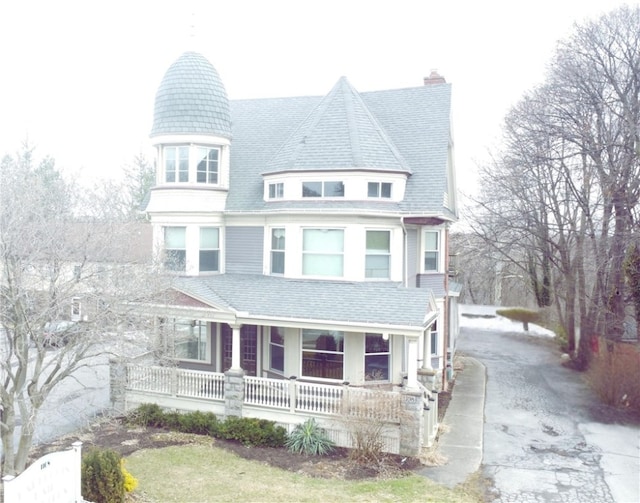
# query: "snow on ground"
x,y
485,318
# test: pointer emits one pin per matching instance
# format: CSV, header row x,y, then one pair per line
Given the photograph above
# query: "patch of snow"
x,y
485,318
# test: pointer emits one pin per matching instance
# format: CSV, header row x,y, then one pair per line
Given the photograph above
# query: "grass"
x,y
202,473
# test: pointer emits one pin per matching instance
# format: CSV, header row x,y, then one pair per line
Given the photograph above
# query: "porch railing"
x,y
283,394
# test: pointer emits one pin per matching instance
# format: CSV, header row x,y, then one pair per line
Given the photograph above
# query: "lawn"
x,y
205,473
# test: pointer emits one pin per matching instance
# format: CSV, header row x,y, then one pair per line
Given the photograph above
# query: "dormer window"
x,y
276,190
379,189
322,189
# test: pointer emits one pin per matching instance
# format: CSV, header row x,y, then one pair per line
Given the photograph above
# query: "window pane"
x,y
431,241
277,262
207,165
311,189
277,335
208,260
183,159
385,190
175,260
378,241
377,266
333,189
375,343
325,365
431,261
323,340
372,189
277,358
322,265
376,367
323,240
277,239
174,237
170,164
209,238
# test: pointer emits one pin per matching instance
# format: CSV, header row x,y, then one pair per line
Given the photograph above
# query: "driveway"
x,y
546,437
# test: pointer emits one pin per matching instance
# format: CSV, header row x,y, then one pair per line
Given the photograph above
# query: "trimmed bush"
x,y
147,414
102,477
253,432
308,438
525,316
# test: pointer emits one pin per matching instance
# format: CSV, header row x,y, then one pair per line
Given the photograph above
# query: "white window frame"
x,y
277,251
376,254
211,169
386,353
437,251
178,171
190,326
379,186
280,347
275,190
168,263
320,253
322,333
201,249
323,189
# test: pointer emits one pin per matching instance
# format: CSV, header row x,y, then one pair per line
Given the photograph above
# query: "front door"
x,y
248,348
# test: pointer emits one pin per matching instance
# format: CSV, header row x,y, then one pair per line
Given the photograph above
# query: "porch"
x,y
409,415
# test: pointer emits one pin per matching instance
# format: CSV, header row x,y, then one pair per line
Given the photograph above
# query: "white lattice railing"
x,y
285,394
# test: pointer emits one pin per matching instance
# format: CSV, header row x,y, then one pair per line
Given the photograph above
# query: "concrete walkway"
x,y
461,444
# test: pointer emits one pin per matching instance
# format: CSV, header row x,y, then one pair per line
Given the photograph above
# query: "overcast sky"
x,y
78,78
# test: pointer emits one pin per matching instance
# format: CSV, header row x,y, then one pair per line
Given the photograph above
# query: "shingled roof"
x,y
374,303
191,99
339,134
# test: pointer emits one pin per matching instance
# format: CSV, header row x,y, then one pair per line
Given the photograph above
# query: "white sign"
x,y
54,478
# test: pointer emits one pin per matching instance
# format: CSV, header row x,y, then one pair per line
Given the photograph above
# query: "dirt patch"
x,y
117,435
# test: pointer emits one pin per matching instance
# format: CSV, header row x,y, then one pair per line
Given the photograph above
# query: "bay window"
x,y
323,252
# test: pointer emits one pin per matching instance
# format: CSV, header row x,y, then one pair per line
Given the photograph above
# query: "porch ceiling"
x,y
381,304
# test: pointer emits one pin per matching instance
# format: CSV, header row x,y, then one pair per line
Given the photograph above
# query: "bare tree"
x,y
54,267
561,199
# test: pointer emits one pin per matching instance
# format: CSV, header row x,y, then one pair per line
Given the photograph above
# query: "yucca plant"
x,y
309,438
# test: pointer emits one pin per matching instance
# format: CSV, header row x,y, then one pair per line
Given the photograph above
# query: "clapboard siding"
x,y
412,256
244,250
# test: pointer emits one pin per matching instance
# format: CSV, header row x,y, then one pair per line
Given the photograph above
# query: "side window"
x,y
376,358
209,249
176,164
175,252
276,349
378,256
207,171
431,251
277,251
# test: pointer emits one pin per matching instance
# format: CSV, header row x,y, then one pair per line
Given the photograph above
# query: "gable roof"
x,y
372,303
339,134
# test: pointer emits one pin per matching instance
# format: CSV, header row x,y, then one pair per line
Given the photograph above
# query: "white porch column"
x,y
426,350
412,362
235,347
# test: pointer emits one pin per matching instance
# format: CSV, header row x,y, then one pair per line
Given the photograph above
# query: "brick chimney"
x,y
434,78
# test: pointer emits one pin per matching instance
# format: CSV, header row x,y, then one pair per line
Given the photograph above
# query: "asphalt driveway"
x,y
546,437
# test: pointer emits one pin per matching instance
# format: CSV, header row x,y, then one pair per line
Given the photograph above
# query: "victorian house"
x,y
307,241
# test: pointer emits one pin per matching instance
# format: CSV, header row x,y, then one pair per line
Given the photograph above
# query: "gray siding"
x,y
412,256
244,249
